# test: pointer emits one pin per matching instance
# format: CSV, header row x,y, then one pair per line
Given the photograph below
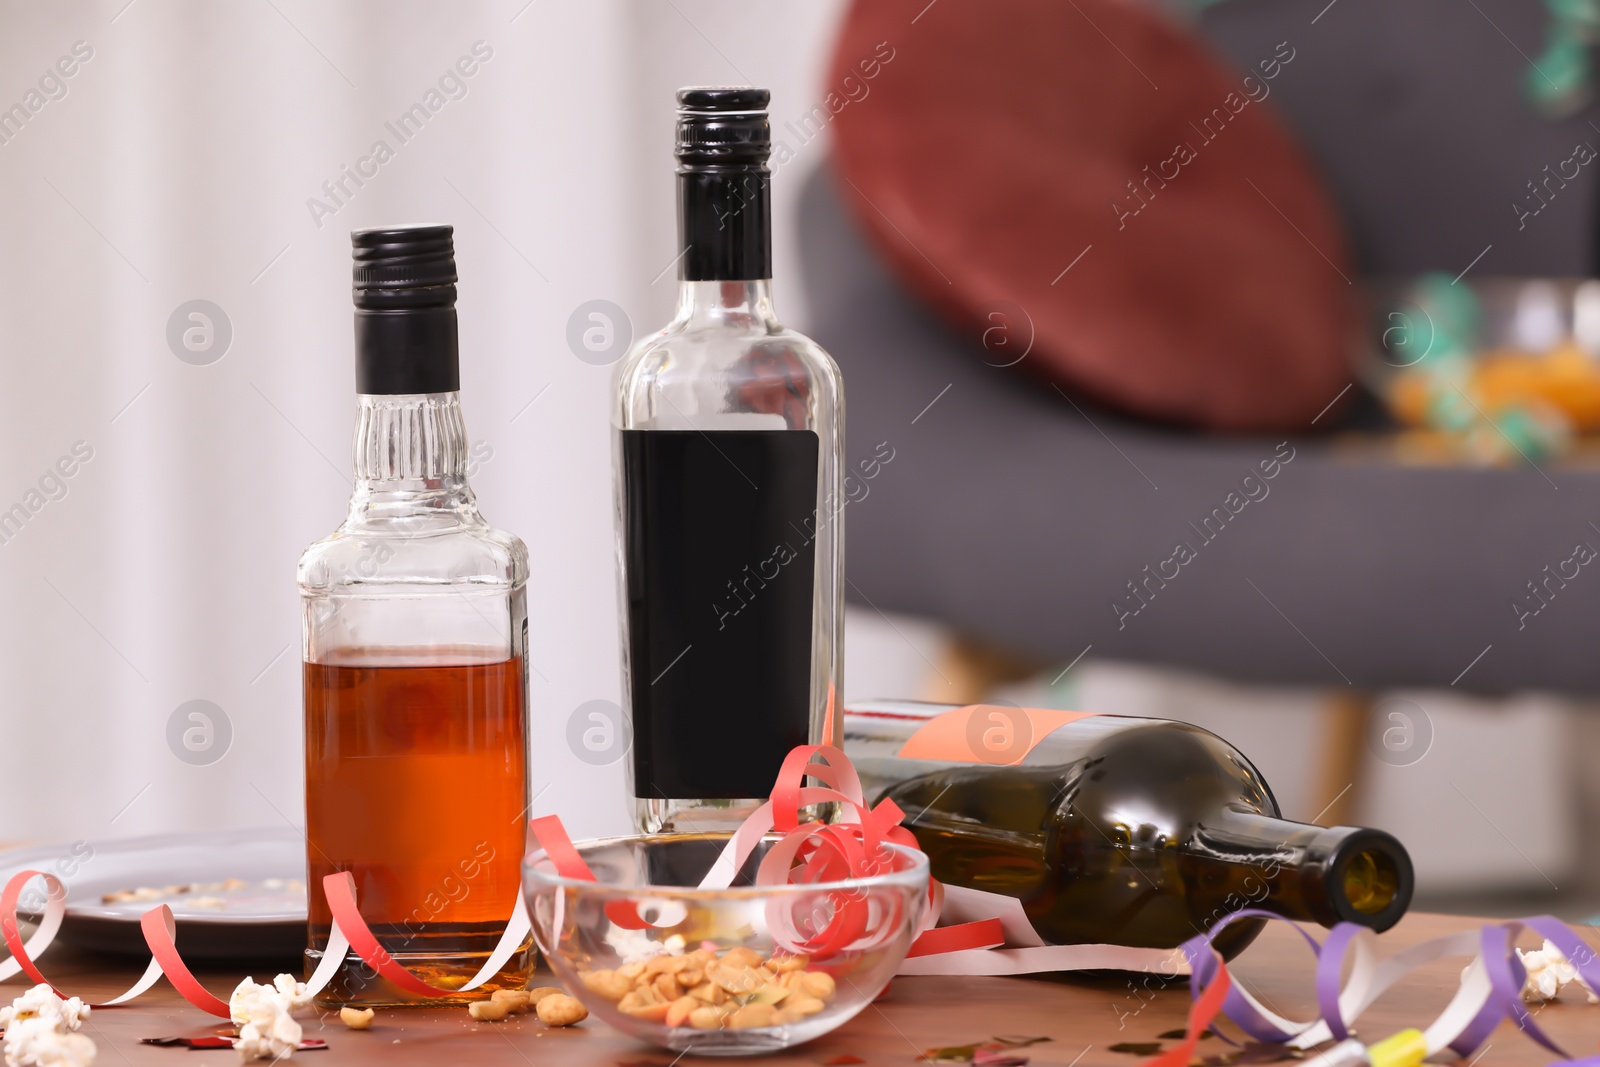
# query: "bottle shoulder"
x,y
688,370
413,557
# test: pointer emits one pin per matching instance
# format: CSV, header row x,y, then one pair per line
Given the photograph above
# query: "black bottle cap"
x,y
724,213
723,125
723,98
405,297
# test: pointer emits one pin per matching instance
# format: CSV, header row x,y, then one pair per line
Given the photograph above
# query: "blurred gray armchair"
x,y
1037,526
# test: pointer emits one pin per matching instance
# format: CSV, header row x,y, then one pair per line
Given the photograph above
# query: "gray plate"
x,y
264,918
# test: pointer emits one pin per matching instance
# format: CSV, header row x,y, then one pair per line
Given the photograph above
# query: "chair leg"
x,y
1343,752
1585,775
969,670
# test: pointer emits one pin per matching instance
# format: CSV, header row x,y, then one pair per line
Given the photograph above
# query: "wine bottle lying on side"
x,y
1112,829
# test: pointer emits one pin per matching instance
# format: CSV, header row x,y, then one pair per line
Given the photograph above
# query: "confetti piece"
x,y
189,1042
211,1041
990,1056
996,1052
1253,1052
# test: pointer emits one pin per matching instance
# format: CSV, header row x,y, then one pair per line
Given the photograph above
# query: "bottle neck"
x,y
1313,873
724,222
410,457
737,305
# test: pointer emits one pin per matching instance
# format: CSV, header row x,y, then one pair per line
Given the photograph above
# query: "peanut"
x,y
558,1009
819,984
733,979
665,965
487,1010
515,1000
769,994
741,958
752,1016
356,1018
707,1018
679,1011
711,994
802,1005
784,964
654,1013
536,995
609,984
667,986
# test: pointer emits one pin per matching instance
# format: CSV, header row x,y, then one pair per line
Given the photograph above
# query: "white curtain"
x,y
184,158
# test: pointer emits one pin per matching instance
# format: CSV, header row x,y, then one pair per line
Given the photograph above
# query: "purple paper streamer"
x,y
1330,969
1502,966
1203,963
1476,1032
1508,976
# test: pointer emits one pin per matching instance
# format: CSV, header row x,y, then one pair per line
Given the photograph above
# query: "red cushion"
x,y
990,148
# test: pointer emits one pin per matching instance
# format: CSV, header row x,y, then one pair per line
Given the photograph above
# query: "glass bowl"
x,y
721,972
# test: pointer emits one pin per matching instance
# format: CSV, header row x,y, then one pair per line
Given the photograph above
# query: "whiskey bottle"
x,y
414,624
1112,829
729,497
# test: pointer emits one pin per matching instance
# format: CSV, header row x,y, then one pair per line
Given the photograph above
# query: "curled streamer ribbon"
x,y
350,932
1490,990
999,940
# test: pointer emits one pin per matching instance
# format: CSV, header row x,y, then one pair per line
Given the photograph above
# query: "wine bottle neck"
x,y
410,455
1311,873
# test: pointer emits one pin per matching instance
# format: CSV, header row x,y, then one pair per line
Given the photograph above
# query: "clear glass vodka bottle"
x,y
728,429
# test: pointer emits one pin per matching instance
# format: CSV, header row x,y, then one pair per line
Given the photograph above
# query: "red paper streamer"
x,y
9,927
340,889
161,933
1202,1013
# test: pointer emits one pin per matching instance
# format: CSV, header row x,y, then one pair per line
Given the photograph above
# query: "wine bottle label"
x,y
986,733
720,529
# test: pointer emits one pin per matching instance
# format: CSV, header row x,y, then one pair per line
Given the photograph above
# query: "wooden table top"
x,y
1083,1018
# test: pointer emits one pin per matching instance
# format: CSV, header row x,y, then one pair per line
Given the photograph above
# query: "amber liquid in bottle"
x,y
415,783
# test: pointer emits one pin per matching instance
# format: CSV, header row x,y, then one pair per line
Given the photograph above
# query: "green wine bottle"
x,y
1112,829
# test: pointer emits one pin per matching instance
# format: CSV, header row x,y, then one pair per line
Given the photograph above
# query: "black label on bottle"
x,y
719,532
